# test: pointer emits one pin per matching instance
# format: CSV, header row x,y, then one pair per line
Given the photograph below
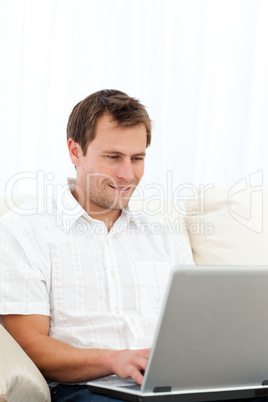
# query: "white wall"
x,y
199,66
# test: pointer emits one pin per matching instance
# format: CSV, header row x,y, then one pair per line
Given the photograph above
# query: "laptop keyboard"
x,y
115,381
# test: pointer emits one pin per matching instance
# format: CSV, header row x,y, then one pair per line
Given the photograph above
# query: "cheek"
x,y
96,170
138,171
104,167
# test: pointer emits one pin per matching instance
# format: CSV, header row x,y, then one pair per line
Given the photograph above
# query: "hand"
x,y
131,363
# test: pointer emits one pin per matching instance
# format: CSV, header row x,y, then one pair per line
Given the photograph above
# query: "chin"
x,y
119,205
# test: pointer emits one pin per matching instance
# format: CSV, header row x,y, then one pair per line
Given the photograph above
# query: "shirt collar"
x,y
129,215
68,208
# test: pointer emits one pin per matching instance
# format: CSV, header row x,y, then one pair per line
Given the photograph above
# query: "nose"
x,y
125,171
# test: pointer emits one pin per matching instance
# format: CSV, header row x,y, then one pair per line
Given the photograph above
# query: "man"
x,y
85,279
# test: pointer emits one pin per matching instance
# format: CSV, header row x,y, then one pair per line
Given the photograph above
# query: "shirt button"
x,y
112,273
107,241
117,310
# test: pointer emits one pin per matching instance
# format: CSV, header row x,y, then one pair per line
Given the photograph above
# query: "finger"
x,y
136,375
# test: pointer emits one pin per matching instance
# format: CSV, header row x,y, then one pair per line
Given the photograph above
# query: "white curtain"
x,y
200,67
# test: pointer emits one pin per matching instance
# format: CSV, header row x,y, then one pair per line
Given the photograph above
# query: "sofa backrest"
x,y
229,227
7,203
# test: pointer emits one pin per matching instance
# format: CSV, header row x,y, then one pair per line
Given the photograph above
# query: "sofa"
x,y
223,225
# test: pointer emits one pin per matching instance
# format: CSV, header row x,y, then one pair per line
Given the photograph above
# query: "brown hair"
x,y
123,109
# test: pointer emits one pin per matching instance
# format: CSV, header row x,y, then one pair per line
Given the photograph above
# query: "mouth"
x,y
121,189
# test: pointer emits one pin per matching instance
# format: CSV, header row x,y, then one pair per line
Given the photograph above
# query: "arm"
x,y
62,362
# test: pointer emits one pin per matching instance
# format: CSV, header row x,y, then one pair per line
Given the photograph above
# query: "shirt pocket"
x,y
150,283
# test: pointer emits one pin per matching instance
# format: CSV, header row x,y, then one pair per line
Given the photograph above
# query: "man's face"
x,y
112,167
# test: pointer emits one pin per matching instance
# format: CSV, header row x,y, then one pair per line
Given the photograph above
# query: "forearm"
x,y
61,362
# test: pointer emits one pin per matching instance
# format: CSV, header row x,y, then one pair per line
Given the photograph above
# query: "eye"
x,y
112,156
138,158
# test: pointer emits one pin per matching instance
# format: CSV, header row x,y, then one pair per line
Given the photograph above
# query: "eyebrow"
x,y
113,152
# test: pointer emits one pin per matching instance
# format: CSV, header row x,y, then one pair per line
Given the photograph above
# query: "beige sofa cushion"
x,y
226,226
20,380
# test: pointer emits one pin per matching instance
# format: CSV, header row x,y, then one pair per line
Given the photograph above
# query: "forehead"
x,y
109,134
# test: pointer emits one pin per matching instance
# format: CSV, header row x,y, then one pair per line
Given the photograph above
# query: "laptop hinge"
x,y
162,389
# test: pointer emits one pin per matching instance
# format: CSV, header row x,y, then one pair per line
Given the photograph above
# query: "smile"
x,y
120,188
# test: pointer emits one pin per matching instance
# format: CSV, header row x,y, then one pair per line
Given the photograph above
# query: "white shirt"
x,y
100,289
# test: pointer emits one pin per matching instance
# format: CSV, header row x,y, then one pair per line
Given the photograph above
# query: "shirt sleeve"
x,y
23,285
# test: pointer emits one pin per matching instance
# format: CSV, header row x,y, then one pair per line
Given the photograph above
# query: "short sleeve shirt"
x,y
101,289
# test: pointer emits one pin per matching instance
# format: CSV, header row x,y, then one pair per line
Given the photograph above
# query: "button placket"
x,y
111,278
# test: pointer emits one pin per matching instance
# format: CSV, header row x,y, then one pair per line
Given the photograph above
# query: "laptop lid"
x,y
213,330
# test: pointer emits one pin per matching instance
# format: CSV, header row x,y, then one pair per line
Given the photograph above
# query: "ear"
x,y
75,152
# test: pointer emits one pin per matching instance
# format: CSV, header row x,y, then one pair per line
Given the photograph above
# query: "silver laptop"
x,y
211,342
